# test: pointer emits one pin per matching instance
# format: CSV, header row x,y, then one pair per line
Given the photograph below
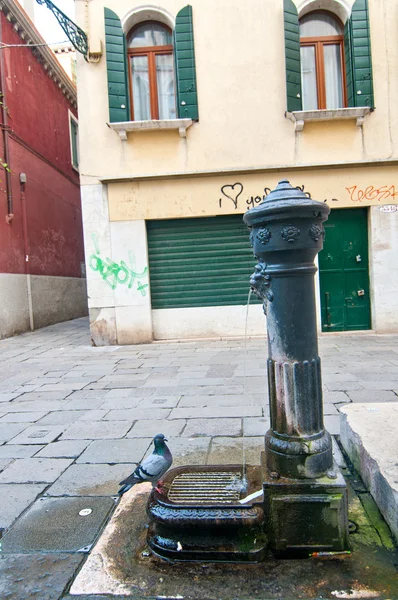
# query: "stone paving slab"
x,y
4,462
216,412
229,451
10,430
38,434
62,417
96,430
151,427
22,417
63,449
15,451
115,451
213,427
332,424
6,397
253,426
14,499
82,404
34,470
57,525
36,576
40,405
166,402
189,451
41,395
372,396
236,400
90,480
134,414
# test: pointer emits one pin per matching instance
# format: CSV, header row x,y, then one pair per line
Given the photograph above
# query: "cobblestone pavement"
x,y
75,419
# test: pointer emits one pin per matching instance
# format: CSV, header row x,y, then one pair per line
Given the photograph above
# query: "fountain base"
x,y
306,515
205,513
197,514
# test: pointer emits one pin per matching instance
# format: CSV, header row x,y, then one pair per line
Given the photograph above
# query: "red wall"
x,y
39,146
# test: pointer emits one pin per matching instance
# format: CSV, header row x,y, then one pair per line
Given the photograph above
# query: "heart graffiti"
x,y
232,192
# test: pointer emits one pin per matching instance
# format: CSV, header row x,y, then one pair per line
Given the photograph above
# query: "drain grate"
x,y
216,487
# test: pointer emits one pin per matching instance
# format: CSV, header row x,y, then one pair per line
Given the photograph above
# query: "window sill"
x,y
299,117
126,127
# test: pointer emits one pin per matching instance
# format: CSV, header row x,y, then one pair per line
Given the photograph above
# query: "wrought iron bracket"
x,y
77,36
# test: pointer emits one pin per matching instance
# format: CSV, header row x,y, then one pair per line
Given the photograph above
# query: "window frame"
x,y
74,148
318,42
151,52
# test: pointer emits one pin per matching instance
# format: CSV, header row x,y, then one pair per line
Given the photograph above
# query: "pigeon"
x,y
152,468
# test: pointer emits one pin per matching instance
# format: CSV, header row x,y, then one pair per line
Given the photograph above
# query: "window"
x,y
321,57
142,84
74,140
328,61
151,72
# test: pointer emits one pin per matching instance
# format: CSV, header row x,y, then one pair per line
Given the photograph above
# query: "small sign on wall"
x,y
388,208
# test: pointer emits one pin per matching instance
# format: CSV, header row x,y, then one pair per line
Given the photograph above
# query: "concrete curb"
x,y
369,434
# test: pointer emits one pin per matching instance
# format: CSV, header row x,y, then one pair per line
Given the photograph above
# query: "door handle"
x,y
361,292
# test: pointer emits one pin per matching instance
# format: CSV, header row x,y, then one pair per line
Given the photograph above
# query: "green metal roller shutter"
x,y
292,56
199,262
116,65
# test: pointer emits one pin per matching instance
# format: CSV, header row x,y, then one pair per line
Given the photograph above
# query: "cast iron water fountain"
x,y
202,513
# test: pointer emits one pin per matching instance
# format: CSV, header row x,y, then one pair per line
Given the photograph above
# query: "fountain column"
x,y
286,234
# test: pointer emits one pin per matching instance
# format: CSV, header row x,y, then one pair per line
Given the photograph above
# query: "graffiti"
x,y
232,192
114,273
235,190
253,200
371,193
301,188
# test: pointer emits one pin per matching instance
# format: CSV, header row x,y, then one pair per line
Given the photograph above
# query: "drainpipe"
x,y
22,180
4,118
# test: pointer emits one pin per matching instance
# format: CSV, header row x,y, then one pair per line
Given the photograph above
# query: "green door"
x,y
344,272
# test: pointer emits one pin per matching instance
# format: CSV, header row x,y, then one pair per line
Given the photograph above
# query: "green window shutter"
x,y
349,74
116,64
361,58
292,56
199,262
74,140
187,99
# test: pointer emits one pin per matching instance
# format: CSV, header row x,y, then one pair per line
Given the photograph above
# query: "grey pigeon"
x,y
152,467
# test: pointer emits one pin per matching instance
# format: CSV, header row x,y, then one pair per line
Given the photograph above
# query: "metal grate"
x,y
216,487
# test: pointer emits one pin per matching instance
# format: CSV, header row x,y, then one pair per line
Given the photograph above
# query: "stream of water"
x,y
244,476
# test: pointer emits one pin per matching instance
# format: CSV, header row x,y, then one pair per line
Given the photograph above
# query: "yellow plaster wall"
x,y
209,196
241,92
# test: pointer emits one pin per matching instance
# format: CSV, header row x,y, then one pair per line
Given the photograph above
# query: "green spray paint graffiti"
x,y
114,273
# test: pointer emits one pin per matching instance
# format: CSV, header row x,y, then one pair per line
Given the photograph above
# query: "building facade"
x,y
41,238
188,120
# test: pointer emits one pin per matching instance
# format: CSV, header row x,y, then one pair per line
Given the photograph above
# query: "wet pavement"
x,y
76,419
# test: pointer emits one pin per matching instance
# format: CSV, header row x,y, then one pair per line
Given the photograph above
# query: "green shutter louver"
x,y
292,56
116,64
358,56
199,262
349,74
187,98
